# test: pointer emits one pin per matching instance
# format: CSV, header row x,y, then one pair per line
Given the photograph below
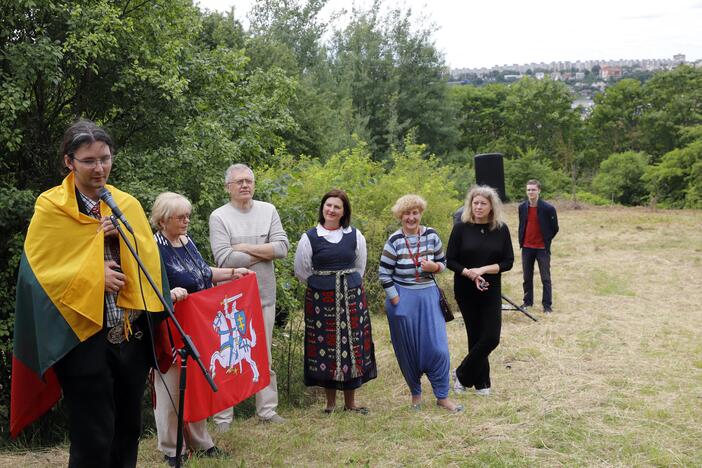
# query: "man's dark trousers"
x,y
103,385
543,258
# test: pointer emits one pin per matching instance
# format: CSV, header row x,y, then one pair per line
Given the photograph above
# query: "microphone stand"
x,y
188,349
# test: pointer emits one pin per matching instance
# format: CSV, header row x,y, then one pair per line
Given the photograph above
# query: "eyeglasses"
x,y
241,182
92,163
182,217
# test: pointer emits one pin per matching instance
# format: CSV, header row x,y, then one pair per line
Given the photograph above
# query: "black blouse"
x,y
473,246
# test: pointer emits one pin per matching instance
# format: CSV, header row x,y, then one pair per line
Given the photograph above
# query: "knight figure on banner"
x,y
234,347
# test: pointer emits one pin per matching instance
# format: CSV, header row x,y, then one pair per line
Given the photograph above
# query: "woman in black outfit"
x,y
479,250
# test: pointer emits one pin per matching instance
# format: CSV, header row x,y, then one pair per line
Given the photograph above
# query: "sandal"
x,y
358,409
456,409
329,410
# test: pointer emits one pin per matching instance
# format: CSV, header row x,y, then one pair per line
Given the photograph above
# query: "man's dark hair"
x,y
83,132
341,195
534,182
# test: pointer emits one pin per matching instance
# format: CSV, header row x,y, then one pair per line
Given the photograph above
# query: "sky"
x,y
484,33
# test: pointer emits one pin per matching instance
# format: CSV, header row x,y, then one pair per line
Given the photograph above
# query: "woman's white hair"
x,y
495,218
165,205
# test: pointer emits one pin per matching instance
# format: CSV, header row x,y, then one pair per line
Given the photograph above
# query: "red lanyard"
x,y
415,257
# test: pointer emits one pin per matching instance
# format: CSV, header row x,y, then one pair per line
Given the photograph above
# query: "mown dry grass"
x,y
612,378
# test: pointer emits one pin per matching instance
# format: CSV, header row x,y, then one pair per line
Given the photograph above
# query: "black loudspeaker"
x,y
490,170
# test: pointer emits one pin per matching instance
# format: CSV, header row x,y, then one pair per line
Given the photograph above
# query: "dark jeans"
x,y
483,323
543,258
103,385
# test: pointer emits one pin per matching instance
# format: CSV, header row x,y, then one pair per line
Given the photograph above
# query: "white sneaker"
x,y
483,391
457,385
275,419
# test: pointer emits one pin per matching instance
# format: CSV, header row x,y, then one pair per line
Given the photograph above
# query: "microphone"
x,y
106,196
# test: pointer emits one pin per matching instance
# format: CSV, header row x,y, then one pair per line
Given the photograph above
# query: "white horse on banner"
x,y
234,347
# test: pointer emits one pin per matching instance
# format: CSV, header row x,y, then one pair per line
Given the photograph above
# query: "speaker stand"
x,y
514,306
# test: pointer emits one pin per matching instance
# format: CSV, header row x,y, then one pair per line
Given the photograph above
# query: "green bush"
x,y
532,165
676,181
591,198
620,178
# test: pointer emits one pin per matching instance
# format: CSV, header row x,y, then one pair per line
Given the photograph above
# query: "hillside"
x,y
612,377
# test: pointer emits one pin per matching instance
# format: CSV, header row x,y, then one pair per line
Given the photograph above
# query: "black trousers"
x,y
483,321
543,258
103,385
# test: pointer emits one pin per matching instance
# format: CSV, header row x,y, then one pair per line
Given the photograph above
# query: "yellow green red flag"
x,y
61,288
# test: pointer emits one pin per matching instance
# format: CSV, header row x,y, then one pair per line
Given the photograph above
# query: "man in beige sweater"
x,y
248,233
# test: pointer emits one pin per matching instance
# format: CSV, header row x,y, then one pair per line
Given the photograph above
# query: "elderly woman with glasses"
x,y
187,273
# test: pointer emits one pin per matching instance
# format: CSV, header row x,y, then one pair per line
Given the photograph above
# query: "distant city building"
x,y
608,72
585,78
539,70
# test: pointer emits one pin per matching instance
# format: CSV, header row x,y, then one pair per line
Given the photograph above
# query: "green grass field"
x,y
612,378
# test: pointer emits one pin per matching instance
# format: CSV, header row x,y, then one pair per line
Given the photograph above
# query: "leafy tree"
x,y
395,78
480,116
620,178
615,119
532,165
539,114
293,23
676,181
674,102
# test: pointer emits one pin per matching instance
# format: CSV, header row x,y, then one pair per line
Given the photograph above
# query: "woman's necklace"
x,y
171,242
415,256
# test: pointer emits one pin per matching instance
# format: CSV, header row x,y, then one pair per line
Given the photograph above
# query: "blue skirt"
x,y
418,334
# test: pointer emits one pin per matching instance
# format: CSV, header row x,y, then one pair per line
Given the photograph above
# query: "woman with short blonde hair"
x,y
165,205
411,257
407,203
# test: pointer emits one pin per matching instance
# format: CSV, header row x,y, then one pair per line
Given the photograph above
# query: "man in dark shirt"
x,y
538,225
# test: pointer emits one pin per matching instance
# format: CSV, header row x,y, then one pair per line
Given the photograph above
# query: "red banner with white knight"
x,y
227,328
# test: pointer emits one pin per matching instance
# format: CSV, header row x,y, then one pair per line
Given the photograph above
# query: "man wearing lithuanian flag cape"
x,y
82,310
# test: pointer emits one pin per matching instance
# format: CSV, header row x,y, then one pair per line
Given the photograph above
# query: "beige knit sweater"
x,y
259,225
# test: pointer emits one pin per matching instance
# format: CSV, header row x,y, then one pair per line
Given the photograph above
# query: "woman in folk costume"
x,y
331,259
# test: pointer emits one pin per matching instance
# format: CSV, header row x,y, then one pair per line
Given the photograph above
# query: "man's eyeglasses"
x,y
182,217
241,182
92,163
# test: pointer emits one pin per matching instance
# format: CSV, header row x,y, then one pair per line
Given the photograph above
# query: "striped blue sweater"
x,y
397,267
